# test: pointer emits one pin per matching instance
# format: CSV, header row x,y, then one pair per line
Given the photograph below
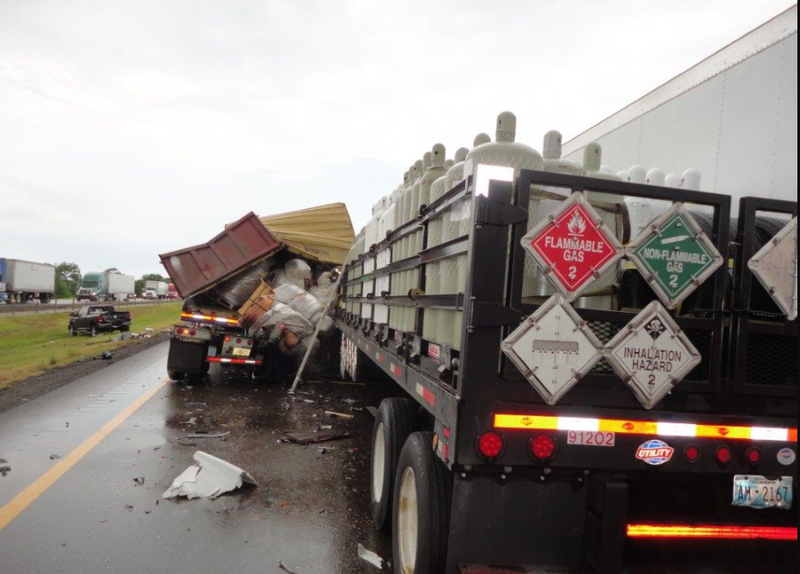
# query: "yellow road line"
x,y
38,487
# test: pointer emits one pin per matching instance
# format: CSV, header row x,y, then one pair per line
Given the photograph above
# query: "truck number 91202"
x,y
591,438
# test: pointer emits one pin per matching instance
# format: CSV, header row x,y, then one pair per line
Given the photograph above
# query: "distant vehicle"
x,y
94,319
23,281
155,289
172,293
106,286
131,297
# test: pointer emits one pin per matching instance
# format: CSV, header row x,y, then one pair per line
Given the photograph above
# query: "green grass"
x,y
33,344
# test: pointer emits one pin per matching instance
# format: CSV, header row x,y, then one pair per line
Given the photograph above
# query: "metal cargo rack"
x,y
478,380
763,343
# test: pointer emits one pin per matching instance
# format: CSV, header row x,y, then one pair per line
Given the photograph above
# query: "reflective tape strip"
x,y
226,361
427,395
209,318
712,532
647,428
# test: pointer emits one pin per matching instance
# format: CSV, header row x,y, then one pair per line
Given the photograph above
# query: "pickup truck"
x,y
94,319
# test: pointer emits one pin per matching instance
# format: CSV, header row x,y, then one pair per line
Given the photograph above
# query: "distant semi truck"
x,y
105,286
155,289
22,281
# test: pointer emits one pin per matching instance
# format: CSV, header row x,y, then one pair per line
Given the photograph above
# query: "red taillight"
x,y
227,339
753,455
711,532
491,445
692,453
250,342
724,455
100,319
238,340
192,332
179,331
543,447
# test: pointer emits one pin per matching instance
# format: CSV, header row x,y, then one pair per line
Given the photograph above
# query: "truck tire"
x,y
176,375
72,331
93,331
396,420
124,328
422,497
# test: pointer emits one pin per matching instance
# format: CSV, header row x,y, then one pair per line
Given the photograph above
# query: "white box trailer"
x,y
733,116
26,280
119,286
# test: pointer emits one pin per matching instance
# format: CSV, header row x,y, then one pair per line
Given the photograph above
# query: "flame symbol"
x,y
577,225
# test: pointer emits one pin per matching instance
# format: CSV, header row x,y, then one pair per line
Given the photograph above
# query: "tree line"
x,y
68,280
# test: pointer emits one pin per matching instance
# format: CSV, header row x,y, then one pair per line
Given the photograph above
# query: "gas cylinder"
x,y
672,180
690,179
399,251
623,174
611,208
432,174
503,152
637,174
447,269
553,162
655,177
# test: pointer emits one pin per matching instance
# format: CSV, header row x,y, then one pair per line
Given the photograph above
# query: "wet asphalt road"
x,y
310,510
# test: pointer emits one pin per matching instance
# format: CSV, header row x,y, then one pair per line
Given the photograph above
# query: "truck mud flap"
x,y
521,520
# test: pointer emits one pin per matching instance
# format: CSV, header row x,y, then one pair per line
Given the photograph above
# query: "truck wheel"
x,y
396,420
124,329
421,509
176,375
93,332
72,331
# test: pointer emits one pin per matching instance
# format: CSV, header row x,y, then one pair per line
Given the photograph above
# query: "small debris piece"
x,y
310,437
373,411
55,456
209,478
139,480
285,568
371,557
208,434
338,415
5,468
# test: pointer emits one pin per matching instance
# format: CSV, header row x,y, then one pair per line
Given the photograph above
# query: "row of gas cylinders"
x,y
432,176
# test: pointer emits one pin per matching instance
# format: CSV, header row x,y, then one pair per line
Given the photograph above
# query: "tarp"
x,y
323,233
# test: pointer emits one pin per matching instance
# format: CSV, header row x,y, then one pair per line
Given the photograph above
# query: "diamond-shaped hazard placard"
x,y
573,246
674,255
553,348
652,354
775,266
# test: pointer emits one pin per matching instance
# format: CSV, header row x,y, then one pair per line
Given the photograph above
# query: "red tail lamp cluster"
x,y
724,455
543,447
691,453
753,455
185,331
491,445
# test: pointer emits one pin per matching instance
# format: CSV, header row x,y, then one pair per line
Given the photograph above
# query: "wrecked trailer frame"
x,y
581,501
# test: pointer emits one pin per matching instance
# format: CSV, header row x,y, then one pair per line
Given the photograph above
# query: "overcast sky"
x,y
129,129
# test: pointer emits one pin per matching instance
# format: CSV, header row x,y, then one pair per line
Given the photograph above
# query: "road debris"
x,y
208,434
338,415
369,556
311,437
5,468
55,456
209,478
373,411
139,480
285,568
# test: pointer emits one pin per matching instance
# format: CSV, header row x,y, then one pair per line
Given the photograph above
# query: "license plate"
x,y
759,492
587,438
240,352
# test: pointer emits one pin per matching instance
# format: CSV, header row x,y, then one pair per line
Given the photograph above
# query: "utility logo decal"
x,y
655,452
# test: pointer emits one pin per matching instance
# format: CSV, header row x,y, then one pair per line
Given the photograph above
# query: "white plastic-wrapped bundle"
x,y
295,272
304,303
281,314
323,290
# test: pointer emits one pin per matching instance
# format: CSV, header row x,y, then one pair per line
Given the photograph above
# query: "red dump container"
x,y
196,269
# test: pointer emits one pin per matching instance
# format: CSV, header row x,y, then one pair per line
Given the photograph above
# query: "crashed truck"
x,y
255,294
600,370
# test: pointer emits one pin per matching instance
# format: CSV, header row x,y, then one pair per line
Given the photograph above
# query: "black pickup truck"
x,y
94,319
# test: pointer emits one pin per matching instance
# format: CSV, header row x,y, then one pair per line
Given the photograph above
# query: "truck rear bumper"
x,y
580,525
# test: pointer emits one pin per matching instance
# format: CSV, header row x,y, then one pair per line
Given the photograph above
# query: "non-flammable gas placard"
x,y
675,255
652,354
553,349
775,266
573,246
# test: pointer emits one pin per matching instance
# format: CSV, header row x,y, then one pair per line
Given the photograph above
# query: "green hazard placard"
x,y
675,255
